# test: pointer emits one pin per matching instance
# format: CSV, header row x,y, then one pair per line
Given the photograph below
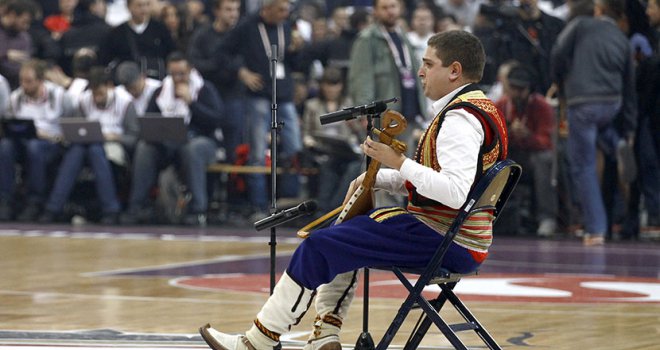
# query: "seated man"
x,y
137,84
466,137
184,93
45,103
114,110
531,121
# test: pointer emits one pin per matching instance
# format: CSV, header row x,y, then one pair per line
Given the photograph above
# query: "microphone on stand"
x,y
304,208
348,113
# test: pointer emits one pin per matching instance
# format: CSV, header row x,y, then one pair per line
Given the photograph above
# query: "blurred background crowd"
x,y
209,61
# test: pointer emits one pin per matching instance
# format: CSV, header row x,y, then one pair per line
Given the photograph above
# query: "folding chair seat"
x,y
490,193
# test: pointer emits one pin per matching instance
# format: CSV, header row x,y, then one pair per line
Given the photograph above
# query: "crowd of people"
x,y
576,81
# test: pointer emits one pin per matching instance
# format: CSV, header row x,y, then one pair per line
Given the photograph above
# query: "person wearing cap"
x,y
186,94
531,121
137,84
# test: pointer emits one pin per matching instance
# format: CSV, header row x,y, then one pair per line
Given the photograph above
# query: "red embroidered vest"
x,y
476,235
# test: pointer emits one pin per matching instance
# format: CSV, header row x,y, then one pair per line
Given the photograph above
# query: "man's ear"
x,y
455,71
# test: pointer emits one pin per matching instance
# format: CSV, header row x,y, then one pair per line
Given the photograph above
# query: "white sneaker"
x,y
221,341
547,228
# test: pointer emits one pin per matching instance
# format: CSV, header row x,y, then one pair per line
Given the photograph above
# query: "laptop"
x,y
81,130
18,128
335,146
156,128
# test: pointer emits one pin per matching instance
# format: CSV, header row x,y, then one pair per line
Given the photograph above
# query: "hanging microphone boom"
x,y
304,208
348,113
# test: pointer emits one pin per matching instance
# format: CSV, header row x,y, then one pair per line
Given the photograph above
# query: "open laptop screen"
x,y
156,128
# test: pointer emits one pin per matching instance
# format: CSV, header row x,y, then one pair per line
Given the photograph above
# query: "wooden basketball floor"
x,y
95,287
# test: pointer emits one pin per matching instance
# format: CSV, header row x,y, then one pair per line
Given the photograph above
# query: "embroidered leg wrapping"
x,y
286,307
332,304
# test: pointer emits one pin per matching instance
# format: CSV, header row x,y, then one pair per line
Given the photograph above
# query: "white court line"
x,y
127,298
221,259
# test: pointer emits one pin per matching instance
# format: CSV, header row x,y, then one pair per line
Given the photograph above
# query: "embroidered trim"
x,y
381,215
267,332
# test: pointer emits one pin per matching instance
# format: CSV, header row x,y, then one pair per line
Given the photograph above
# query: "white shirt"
x,y
142,102
46,111
457,148
76,89
111,116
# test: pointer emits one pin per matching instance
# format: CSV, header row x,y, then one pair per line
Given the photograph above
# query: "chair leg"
x,y
468,316
423,324
404,310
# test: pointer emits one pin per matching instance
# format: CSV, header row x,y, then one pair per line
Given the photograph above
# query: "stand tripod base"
x,y
365,342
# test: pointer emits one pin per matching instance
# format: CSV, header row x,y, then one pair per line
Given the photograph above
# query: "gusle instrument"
x,y
362,200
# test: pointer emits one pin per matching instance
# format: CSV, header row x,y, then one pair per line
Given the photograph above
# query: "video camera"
x,y
499,13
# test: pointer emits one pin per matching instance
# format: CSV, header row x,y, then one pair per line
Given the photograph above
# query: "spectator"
x,y
59,23
15,42
339,21
137,84
140,39
464,11
83,61
202,53
184,93
421,30
88,30
383,65
45,103
593,62
530,121
172,18
250,43
114,110
337,170
5,91
336,52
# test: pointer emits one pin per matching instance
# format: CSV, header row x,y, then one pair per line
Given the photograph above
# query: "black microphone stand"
x,y
274,130
365,341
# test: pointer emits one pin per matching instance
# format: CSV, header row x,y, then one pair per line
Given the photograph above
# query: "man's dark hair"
x,y
614,9
38,66
20,7
99,76
177,56
359,18
83,63
462,47
216,3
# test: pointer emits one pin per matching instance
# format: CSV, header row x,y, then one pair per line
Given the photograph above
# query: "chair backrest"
x,y
491,192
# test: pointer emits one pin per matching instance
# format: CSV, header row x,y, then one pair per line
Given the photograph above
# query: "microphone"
x,y
348,113
304,208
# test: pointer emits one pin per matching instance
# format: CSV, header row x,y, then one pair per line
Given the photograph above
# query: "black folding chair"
x,y
490,193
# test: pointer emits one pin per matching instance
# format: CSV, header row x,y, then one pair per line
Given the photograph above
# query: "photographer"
x,y
524,33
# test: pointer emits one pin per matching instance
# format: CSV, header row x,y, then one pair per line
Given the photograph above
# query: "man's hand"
x,y
355,184
17,56
382,153
182,91
252,80
518,129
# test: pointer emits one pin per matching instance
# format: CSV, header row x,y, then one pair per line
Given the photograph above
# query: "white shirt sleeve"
x,y
458,144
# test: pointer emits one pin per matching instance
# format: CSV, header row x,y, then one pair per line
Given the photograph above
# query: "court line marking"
x,y
220,259
387,306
